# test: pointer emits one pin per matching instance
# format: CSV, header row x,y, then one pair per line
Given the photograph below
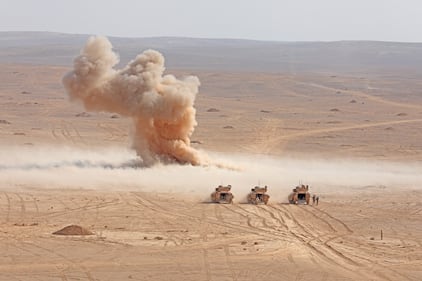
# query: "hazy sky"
x,y
281,20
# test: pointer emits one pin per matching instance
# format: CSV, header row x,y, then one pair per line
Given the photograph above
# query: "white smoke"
x,y
112,168
162,107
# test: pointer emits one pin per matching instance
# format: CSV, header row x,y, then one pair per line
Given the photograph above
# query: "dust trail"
x,y
162,107
112,168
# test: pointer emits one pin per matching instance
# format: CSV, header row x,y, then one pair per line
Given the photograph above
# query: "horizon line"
x,y
212,38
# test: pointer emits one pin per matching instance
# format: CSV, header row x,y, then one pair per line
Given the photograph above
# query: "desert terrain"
x,y
349,128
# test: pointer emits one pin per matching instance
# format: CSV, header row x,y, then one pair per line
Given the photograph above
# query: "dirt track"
x,y
162,237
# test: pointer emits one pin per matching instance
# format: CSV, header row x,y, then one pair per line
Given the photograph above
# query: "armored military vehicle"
x,y
258,195
300,195
222,194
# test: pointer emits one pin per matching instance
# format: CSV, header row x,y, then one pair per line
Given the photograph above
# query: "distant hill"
x,y
225,54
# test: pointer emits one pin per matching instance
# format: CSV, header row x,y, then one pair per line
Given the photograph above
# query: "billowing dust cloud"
x,y
114,168
162,107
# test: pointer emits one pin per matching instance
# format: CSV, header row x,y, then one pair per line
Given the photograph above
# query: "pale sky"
x,y
279,20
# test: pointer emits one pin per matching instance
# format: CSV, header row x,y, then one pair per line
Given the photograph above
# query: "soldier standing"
x,y
313,199
317,200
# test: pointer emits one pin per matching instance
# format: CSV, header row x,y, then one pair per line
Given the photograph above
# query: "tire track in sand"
x,y
8,207
365,95
329,254
22,206
321,247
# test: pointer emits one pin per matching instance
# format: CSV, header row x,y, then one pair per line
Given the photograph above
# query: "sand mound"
x,y
83,114
73,230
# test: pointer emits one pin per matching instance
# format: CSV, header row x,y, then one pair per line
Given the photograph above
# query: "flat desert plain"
x,y
354,138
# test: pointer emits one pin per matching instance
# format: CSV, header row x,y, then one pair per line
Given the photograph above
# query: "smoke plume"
x,y
162,107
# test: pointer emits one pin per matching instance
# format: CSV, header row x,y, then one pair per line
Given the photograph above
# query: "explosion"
x,y
162,107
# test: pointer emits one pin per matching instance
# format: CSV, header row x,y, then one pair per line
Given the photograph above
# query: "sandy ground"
x,y
145,230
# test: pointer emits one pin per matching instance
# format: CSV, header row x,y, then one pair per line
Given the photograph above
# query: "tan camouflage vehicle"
x,y
300,195
258,195
222,194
